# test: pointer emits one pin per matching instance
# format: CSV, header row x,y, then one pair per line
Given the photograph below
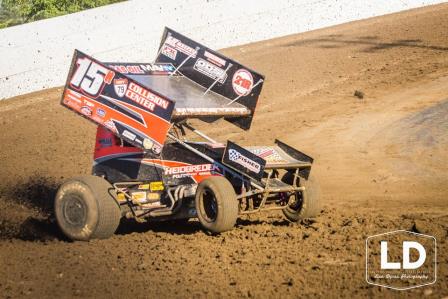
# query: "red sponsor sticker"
x,y
215,59
169,52
242,82
86,110
128,69
178,45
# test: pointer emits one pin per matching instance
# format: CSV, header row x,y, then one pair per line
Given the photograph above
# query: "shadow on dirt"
x,y
184,227
249,222
180,227
371,43
424,129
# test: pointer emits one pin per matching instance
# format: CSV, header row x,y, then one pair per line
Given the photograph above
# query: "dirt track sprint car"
x,y
144,165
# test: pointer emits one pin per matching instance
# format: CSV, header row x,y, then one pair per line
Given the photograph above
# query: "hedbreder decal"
x,y
242,82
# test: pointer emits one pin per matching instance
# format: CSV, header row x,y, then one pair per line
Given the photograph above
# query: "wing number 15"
x,y
90,76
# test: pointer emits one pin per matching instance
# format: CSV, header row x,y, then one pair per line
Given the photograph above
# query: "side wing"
x,y
109,98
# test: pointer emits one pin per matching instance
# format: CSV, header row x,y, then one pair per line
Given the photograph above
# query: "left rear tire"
x,y
86,208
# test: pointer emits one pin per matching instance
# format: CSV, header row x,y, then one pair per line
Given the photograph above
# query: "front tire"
x,y
86,208
306,203
216,204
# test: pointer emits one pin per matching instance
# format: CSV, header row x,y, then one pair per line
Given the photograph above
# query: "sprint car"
x,y
150,163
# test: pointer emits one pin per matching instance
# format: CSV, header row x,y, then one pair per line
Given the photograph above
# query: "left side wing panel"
x,y
133,112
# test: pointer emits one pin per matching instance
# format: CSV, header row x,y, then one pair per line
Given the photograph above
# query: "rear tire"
x,y
306,204
86,208
216,204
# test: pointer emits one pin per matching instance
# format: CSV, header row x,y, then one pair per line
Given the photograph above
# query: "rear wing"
x,y
213,71
107,97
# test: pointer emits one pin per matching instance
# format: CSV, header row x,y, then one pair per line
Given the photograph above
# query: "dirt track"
x,y
382,163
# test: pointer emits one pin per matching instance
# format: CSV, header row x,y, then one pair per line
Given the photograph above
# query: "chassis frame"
x,y
255,196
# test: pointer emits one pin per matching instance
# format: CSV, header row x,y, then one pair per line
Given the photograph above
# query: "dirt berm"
x,y
381,160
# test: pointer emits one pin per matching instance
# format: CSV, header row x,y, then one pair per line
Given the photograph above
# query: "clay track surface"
x,y
382,164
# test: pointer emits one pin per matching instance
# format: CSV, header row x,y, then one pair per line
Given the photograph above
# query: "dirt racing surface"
x,y
381,160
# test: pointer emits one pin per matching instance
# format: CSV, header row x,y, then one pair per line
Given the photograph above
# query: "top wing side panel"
x,y
111,99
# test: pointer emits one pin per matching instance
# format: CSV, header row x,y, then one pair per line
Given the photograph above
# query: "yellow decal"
x,y
121,197
143,187
156,186
153,196
138,196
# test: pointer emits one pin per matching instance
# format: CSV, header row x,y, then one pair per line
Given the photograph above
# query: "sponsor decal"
x,y
153,196
169,52
157,149
148,68
268,154
129,135
143,187
401,260
139,196
72,96
86,110
238,158
72,104
121,197
105,142
110,125
87,103
242,82
144,97
160,68
120,86
190,169
156,186
127,69
100,112
148,143
214,59
210,70
178,45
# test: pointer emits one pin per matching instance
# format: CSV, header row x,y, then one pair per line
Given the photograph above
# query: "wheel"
x,y
216,204
86,208
306,203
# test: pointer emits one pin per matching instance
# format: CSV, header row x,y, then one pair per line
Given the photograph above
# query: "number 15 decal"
x,y
90,76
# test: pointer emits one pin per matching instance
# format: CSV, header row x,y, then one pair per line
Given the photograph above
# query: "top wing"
x,y
215,73
191,99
